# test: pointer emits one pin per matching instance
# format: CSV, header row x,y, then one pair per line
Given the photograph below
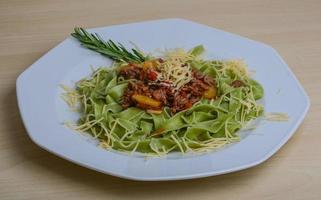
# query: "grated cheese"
x,y
70,96
238,67
276,116
176,69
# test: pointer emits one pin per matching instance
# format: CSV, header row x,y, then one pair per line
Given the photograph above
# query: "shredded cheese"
x,y
71,97
175,68
238,67
276,116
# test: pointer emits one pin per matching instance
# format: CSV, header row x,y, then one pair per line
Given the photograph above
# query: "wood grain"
x,y
30,28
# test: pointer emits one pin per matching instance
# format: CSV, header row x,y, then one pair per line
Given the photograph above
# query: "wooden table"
x,y
28,29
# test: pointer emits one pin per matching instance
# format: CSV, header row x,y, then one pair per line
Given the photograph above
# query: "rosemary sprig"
x,y
108,48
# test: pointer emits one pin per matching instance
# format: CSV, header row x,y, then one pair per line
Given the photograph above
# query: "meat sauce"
x,y
146,92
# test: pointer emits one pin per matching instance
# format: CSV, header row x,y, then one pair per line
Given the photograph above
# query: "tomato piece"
x,y
188,105
152,75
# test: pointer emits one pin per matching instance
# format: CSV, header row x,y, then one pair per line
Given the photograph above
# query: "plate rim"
x,y
19,88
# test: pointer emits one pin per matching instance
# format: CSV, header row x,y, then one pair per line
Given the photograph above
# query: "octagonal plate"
x,y
43,111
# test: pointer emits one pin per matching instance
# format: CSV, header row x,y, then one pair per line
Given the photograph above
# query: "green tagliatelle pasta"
x,y
207,125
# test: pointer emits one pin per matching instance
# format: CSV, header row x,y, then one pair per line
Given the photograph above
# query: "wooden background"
x,y
28,29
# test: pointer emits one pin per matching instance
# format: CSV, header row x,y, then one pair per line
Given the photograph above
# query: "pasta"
x,y
207,125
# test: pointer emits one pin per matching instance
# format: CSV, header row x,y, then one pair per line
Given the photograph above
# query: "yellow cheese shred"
x,y
274,116
238,67
176,69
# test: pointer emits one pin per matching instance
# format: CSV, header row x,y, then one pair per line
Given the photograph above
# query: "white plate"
x,y
43,111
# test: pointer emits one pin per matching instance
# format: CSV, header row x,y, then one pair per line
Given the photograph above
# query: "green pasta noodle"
x,y
207,125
